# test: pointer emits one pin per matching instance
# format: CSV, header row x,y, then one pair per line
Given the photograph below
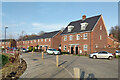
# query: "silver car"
x,y
102,54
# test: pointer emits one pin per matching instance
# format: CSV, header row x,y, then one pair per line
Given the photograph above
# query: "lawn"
x,y
3,60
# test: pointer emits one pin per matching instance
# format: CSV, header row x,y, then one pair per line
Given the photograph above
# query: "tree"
x,y
115,31
41,33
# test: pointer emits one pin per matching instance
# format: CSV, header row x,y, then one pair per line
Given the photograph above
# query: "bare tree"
x,y
115,31
41,32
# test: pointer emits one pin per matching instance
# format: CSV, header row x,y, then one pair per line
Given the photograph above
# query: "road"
x,y
89,68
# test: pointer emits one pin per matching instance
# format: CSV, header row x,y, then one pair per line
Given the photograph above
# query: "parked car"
x,y
53,51
117,53
101,54
23,50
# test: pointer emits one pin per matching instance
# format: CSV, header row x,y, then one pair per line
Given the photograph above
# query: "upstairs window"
x,y
70,37
38,40
78,37
85,36
65,38
83,26
100,27
49,39
42,40
45,40
100,37
70,28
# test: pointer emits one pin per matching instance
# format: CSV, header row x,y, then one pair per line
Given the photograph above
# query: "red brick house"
x,y
113,42
45,41
84,36
7,43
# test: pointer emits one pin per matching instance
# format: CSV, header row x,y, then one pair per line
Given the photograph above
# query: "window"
x,y
65,47
85,47
96,46
78,37
65,38
34,40
31,41
45,40
42,40
70,37
100,37
49,39
83,26
100,27
0,42
85,36
38,40
70,28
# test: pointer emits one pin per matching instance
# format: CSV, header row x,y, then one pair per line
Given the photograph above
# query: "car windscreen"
x,y
54,50
117,51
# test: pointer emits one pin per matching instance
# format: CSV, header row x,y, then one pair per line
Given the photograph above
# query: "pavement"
x,y
89,68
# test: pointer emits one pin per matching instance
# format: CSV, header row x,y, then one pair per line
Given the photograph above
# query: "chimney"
x,y
111,35
84,17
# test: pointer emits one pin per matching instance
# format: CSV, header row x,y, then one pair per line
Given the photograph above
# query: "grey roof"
x,y
77,27
45,35
7,40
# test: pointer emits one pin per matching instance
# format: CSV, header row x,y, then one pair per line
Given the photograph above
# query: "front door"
x,y
72,50
76,50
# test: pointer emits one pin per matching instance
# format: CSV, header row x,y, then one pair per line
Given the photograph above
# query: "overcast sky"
x,y
33,17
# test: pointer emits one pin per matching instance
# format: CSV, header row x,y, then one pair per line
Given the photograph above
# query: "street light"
x,y
5,36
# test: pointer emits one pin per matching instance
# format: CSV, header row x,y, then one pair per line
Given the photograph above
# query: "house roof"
x,y
77,25
45,35
114,39
7,40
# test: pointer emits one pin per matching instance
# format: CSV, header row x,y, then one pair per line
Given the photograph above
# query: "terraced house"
x,y
45,41
7,43
85,35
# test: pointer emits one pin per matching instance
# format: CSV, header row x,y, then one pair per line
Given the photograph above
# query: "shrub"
x,y
4,60
30,49
33,49
12,59
64,52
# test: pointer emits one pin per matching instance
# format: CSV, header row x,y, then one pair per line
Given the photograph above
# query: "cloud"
x,y
47,27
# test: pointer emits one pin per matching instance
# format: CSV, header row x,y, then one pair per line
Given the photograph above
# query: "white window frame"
x,y
38,40
45,40
85,47
100,37
65,38
78,38
65,47
31,41
101,27
42,40
70,37
49,39
84,36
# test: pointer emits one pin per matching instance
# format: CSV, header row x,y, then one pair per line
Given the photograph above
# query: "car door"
x,y
103,54
99,55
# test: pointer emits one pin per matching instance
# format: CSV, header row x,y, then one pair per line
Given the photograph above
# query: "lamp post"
x,y
5,36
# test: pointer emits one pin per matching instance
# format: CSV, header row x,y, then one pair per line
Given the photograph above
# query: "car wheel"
x,y
110,57
94,57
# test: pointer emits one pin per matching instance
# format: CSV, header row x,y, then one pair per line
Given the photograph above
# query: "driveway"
x,y
89,68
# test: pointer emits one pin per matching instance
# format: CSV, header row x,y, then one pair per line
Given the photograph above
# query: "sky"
x,y
33,17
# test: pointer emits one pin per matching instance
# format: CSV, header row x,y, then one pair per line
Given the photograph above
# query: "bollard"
x,y
32,53
57,61
76,73
42,55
